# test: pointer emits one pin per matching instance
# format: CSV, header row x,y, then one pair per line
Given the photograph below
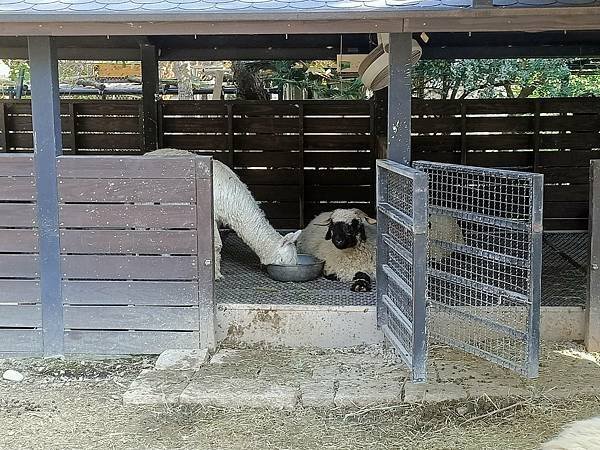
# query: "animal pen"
x,y
108,252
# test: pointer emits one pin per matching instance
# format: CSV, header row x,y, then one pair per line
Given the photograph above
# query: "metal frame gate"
x,y
485,244
402,261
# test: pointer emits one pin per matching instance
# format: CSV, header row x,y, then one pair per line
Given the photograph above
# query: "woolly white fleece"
x,y
343,263
235,207
582,435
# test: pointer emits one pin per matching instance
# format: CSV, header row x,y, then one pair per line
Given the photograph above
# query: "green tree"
x,y
489,78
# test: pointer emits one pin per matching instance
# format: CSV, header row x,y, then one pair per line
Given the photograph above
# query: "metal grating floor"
x,y
564,279
244,281
564,269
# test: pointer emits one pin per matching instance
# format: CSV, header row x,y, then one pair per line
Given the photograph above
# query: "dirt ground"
x,y
64,404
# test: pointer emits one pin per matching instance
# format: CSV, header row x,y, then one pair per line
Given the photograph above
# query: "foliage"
x,y
490,78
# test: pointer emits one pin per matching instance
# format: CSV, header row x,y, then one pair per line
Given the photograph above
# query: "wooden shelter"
x,y
44,31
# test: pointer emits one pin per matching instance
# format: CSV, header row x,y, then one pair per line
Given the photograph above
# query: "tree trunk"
x,y
249,84
185,89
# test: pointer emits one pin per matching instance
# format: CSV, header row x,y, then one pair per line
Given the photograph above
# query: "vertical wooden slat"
x,y
374,147
536,135
72,125
463,133
206,257
161,137
230,147
592,310
3,128
301,187
150,83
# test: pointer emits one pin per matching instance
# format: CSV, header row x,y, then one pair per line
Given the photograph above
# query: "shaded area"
x,y
246,282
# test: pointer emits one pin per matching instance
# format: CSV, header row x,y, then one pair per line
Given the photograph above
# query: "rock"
x,y
13,375
182,359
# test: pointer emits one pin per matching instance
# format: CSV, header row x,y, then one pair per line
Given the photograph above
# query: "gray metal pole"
x,y
399,98
47,141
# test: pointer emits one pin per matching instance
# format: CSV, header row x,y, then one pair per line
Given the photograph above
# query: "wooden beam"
x,y
592,310
150,91
45,109
399,98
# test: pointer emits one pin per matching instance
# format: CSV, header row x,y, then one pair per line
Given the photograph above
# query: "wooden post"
x,y
3,128
73,125
592,310
230,147
301,183
536,134
463,133
399,98
47,142
150,91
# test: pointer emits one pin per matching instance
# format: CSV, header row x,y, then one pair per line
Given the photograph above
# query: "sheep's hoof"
x,y
332,277
361,286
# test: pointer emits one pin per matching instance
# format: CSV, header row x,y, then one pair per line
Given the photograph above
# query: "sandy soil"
x,y
77,404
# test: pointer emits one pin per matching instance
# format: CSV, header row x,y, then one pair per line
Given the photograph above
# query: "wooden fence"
x,y
20,308
294,155
555,137
136,255
302,157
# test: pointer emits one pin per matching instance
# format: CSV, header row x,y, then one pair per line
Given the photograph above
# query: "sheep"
x,y
581,435
235,207
346,240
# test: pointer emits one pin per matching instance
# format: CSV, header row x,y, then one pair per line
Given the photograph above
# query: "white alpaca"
x,y
582,435
235,207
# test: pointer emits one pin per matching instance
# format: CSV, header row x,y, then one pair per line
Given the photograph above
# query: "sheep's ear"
x,y
290,238
370,221
328,234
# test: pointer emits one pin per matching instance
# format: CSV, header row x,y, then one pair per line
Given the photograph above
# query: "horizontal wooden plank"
x,y
571,141
119,190
500,106
17,189
269,108
283,193
19,291
19,265
266,125
131,318
449,124
127,216
125,167
20,316
17,215
339,107
105,124
287,224
13,165
195,142
313,209
499,142
566,224
575,175
435,108
266,159
156,293
436,143
110,108
18,241
569,105
338,159
128,342
24,123
19,340
133,241
337,125
575,193
194,125
508,124
283,210
112,267
339,193
192,107
565,209
578,122
266,142
109,141
337,142
339,177
269,176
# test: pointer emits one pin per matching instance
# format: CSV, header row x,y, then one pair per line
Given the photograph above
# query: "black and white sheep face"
x,y
346,235
346,228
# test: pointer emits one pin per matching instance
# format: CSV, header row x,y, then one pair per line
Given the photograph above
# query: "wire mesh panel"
x,y
484,262
401,262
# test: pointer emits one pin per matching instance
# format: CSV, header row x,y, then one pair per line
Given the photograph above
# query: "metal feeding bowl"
x,y
308,268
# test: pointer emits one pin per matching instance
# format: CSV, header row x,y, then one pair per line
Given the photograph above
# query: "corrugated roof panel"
x,y
544,3
63,7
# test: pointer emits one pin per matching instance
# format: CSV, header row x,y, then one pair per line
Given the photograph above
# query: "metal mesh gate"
x,y
484,262
401,262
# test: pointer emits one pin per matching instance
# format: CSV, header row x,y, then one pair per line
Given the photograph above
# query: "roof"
x,y
61,7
